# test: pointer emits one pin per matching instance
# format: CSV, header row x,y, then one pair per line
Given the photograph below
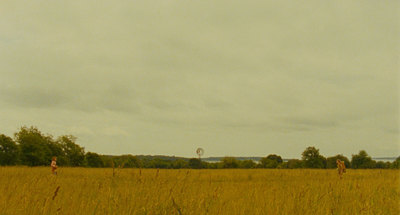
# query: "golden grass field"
x,y
26,190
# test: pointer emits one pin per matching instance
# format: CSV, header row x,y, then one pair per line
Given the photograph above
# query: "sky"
x,y
237,78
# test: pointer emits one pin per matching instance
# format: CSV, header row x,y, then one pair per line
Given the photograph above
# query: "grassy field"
x,y
26,190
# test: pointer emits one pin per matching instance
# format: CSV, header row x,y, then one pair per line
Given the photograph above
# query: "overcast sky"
x,y
238,78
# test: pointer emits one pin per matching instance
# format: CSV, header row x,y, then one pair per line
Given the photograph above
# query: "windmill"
x,y
200,152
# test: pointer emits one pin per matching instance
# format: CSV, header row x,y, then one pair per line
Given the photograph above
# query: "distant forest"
x,y
30,147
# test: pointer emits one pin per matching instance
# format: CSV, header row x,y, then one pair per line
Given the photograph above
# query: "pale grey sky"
x,y
239,78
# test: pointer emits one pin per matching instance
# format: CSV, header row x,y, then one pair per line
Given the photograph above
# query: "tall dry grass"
x,y
132,191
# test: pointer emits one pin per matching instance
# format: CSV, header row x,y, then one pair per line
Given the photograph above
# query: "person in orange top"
x,y
54,166
341,167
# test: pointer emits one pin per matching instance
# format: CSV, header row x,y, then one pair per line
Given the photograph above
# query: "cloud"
x,y
115,131
113,98
204,72
311,123
33,97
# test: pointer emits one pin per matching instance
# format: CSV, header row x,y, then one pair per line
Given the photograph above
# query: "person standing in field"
x,y
341,167
54,165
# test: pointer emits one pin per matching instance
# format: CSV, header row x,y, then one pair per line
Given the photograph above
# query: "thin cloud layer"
x,y
235,78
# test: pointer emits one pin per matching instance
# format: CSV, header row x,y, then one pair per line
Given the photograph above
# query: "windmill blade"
x,y
200,151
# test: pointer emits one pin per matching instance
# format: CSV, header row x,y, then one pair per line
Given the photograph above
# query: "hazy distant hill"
x,y
152,157
162,157
216,159
391,159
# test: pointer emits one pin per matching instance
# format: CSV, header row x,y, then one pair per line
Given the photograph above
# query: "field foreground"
x,y
26,190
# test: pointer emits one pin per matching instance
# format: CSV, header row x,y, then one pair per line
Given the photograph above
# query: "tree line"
x,y
30,147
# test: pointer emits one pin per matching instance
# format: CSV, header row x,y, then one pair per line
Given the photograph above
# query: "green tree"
x,y
180,164
362,161
312,158
208,165
395,164
35,146
195,163
331,161
268,163
9,152
160,163
93,160
230,162
275,157
247,164
108,161
295,164
131,161
56,150
283,165
382,165
74,154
